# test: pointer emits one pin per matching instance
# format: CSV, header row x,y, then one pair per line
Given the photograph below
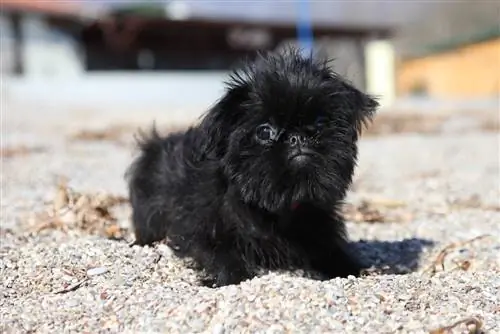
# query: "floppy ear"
x,y
361,108
220,121
358,108
365,107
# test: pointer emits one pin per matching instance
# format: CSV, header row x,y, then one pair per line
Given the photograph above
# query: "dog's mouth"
x,y
300,156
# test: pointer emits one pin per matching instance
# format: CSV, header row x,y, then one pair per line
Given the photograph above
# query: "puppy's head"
x,y
286,131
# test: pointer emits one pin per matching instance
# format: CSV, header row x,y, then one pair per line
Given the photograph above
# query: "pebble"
x,y
97,271
218,329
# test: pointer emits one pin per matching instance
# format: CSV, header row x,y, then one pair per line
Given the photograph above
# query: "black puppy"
x,y
259,182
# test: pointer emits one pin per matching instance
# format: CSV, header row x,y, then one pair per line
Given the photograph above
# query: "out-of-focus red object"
x,y
41,6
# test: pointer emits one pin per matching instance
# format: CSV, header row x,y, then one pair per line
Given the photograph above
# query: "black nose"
x,y
297,140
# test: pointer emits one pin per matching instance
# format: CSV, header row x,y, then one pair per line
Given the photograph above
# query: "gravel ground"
x,y
449,185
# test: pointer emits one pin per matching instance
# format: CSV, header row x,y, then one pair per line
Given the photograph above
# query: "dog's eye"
x,y
265,133
318,125
320,122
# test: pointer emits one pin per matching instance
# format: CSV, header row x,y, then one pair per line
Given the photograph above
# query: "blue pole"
x,y
304,27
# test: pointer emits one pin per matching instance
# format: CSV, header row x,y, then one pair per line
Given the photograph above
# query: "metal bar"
x,y
304,26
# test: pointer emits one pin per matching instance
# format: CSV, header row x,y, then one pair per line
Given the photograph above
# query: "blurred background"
x,y
413,54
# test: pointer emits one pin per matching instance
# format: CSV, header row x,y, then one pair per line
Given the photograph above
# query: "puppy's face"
x,y
286,132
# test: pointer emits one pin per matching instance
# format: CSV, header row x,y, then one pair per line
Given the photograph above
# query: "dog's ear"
x,y
221,120
358,108
362,108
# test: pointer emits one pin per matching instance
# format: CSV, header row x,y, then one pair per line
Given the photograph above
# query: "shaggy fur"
x,y
258,183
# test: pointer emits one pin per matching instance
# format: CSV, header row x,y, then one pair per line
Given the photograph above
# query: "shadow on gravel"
x,y
401,257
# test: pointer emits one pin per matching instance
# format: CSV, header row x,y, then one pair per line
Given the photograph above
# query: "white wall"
x,y
186,90
380,71
46,52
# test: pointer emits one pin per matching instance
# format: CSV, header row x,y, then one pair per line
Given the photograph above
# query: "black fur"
x,y
234,202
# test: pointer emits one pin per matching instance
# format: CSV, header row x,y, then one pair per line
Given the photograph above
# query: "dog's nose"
x,y
296,140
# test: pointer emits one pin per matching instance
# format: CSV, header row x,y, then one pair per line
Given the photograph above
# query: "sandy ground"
x,y
425,192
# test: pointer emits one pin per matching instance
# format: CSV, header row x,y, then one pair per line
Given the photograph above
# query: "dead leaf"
x,y
61,199
114,232
111,133
87,212
47,222
404,122
463,265
377,211
472,202
407,121
21,150
388,203
117,133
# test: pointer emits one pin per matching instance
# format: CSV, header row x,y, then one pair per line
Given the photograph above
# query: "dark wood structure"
x,y
137,42
119,42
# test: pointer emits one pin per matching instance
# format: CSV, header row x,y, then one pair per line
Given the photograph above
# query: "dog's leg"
x,y
322,237
149,223
226,276
223,266
334,260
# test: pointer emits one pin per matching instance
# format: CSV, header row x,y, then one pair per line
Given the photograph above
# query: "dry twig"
x,y
439,261
474,326
73,287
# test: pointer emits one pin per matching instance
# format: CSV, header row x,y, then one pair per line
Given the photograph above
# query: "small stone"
x,y
218,329
164,250
97,271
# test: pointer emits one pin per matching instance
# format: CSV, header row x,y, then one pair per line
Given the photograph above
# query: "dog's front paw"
x,y
226,277
340,264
